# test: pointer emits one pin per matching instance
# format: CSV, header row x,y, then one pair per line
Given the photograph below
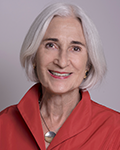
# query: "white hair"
x,y
96,60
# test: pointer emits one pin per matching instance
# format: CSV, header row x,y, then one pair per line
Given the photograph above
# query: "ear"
x,y
87,68
86,74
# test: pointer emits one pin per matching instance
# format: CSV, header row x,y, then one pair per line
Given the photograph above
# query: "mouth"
x,y
60,74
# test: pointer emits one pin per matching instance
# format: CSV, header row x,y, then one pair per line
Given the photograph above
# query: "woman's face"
x,y
62,56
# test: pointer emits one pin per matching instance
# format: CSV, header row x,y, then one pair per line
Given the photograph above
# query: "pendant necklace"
x,y
50,134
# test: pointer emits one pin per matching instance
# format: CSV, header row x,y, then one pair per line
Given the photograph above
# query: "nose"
x,y
62,59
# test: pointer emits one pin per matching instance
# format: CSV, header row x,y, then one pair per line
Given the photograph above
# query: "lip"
x,y
60,75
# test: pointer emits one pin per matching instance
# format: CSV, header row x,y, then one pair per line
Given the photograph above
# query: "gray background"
x,y
15,20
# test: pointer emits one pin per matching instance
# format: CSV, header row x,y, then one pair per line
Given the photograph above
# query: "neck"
x,y
55,108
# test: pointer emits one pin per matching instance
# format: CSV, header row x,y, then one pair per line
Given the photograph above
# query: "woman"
x,y
61,52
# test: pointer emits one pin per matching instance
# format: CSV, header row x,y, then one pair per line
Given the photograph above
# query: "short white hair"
x,y
96,60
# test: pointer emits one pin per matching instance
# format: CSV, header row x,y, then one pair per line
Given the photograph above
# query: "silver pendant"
x,y
49,136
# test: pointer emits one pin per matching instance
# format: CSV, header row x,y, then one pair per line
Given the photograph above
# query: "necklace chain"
x,y
42,116
44,122
50,134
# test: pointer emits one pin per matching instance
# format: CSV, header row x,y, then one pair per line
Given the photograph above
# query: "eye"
x,y
49,45
76,48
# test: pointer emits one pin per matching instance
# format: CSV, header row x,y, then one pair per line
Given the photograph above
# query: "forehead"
x,y
65,26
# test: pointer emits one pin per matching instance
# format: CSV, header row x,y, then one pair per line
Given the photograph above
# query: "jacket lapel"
x,y
29,109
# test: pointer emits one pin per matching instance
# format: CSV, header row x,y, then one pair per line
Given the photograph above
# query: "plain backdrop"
x,y
15,20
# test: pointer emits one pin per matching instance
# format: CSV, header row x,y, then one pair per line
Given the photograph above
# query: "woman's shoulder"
x,y
8,112
105,113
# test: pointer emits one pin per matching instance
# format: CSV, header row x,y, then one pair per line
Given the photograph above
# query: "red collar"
x,y
79,119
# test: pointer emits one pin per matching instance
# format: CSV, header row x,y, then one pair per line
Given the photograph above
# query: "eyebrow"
x,y
51,39
56,40
77,42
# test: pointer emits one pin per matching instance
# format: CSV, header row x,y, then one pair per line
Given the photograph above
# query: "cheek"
x,y
40,59
43,60
80,64
44,57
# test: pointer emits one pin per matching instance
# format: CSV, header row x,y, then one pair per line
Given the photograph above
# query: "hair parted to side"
x,y
96,60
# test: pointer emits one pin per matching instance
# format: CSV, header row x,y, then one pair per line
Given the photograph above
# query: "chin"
x,y
60,90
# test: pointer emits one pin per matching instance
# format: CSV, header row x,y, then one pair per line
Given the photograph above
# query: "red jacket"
x,y
90,126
